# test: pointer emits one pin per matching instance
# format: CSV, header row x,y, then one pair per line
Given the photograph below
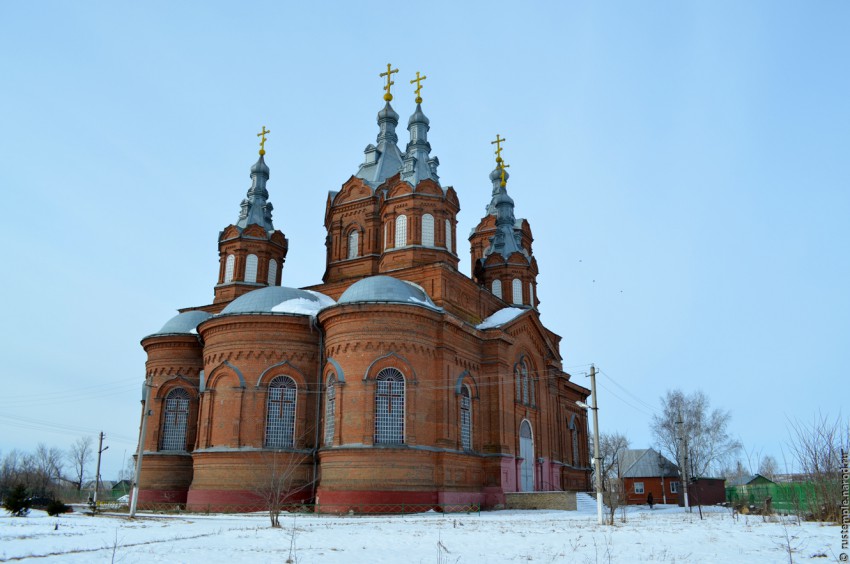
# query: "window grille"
x,y
251,268
389,406
280,413
465,419
523,373
638,487
449,235
517,287
175,420
228,268
330,410
272,272
428,230
674,487
401,231
353,244
497,288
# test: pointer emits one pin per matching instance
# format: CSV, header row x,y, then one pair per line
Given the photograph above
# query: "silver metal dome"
x,y
269,299
185,322
386,289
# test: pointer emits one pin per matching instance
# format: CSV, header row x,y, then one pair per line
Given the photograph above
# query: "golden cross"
x,y
503,166
498,143
389,74
418,80
263,140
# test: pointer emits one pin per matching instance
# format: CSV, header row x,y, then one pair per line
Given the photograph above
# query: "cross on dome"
x,y
263,140
418,80
389,74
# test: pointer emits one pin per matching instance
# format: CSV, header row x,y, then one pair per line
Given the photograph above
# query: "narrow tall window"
x,y
465,419
517,288
353,244
518,382
386,236
497,288
428,230
389,406
176,417
272,272
531,294
524,375
228,268
574,434
449,235
251,268
330,410
401,231
280,413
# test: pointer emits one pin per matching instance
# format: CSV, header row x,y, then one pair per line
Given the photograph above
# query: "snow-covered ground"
x,y
665,534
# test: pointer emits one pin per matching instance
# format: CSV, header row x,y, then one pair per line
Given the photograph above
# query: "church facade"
x,y
397,380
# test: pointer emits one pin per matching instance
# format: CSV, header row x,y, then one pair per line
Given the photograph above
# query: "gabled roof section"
x,y
646,463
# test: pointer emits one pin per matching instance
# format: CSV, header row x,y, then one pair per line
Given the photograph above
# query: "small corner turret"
x,y
500,245
251,252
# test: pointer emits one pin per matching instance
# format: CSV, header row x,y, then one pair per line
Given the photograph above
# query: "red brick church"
x,y
398,379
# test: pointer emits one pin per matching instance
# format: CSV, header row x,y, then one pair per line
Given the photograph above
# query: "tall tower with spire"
x,y
393,213
500,245
251,251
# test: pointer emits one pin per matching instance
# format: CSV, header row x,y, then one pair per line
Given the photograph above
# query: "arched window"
x,y
251,268
272,272
465,418
428,230
228,268
517,288
353,244
389,406
174,422
330,410
531,294
401,231
449,235
574,437
386,236
280,413
497,288
521,382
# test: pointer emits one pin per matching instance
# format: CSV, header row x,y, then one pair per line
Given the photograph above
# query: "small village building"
x,y
645,471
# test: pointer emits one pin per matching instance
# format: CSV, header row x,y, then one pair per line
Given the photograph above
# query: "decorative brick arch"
x,y
391,360
333,366
466,378
284,368
222,371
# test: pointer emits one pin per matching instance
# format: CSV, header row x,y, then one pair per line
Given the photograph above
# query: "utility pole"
x,y
683,459
596,457
142,429
100,449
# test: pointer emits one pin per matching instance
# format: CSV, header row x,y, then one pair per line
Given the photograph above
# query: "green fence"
x,y
785,498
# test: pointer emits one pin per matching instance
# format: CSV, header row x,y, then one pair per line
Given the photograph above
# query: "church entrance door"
x,y
526,452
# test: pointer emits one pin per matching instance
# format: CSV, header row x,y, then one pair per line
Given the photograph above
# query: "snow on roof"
x,y
501,317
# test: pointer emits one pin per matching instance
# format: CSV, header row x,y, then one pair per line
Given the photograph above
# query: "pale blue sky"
x,y
683,166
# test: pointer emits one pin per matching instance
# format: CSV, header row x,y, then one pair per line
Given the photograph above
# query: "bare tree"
x,y
769,467
45,469
79,455
817,448
705,431
611,447
284,476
